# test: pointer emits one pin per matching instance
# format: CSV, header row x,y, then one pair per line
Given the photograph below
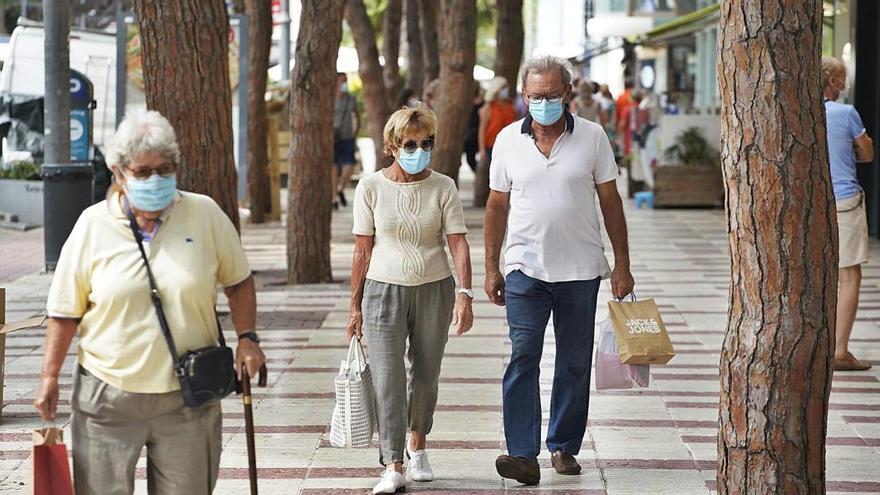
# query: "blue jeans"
x,y
529,304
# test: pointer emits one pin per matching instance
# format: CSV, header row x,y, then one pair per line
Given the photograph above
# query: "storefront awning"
x,y
681,26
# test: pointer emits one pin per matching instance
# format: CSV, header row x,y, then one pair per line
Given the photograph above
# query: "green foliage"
x,y
691,148
21,171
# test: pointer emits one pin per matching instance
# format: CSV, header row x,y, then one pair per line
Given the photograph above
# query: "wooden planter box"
x,y
688,185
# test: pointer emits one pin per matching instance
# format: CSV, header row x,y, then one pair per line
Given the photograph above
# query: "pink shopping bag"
x,y
611,373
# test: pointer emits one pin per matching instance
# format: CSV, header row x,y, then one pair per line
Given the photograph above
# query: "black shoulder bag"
x,y
206,375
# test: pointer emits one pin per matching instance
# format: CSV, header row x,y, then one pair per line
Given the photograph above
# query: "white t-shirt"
x,y
553,231
409,222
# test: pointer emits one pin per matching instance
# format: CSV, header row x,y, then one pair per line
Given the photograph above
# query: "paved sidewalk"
x,y
658,440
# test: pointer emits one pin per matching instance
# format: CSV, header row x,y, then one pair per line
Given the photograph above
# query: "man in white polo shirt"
x,y
547,171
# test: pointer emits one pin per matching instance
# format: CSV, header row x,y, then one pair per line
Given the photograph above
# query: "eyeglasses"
x,y
143,173
411,146
554,98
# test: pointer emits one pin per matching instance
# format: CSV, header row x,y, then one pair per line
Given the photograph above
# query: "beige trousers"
x,y
852,227
111,427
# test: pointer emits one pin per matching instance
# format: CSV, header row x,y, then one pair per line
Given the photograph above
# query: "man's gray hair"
x,y
139,133
546,64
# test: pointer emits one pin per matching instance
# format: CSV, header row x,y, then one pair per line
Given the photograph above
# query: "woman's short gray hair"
x,y
143,132
545,64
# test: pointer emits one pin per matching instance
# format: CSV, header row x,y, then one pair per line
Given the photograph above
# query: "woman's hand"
x,y
355,327
46,401
249,355
463,314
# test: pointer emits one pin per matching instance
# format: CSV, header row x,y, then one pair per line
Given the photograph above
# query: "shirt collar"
x,y
527,123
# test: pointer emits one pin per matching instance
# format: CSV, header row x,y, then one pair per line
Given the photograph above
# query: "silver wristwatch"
x,y
467,292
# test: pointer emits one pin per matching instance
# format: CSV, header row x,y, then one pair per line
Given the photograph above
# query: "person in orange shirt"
x,y
624,103
496,114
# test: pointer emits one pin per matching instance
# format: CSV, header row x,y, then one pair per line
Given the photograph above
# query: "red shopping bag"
x,y
51,469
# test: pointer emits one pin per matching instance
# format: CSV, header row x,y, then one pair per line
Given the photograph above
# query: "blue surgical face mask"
x,y
343,87
152,194
545,112
415,162
504,93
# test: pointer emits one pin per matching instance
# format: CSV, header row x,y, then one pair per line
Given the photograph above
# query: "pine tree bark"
x,y
415,57
259,14
428,29
186,79
312,95
510,36
776,359
391,25
508,56
458,41
370,72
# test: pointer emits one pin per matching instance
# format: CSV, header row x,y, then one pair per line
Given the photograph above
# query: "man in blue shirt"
x,y
848,143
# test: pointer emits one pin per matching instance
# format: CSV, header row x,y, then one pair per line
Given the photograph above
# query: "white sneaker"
x,y
418,468
390,482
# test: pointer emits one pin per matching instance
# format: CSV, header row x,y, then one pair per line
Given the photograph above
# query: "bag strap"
x,y
154,291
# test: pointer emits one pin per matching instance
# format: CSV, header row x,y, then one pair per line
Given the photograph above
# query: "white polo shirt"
x,y
553,231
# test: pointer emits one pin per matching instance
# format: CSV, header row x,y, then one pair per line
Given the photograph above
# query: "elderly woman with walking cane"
x,y
137,283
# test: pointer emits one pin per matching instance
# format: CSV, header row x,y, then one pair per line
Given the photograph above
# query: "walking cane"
x,y
249,422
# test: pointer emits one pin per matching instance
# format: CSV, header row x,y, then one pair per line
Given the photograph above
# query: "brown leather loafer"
x,y
518,468
565,463
848,362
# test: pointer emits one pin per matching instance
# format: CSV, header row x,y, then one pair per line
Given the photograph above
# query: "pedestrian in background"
x,y
125,393
496,114
346,124
586,106
403,289
546,173
472,142
848,143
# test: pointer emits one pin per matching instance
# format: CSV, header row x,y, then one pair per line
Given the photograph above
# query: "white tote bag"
x,y
354,417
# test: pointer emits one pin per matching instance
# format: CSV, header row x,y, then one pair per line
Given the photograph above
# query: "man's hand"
x,y
355,327
495,287
622,282
249,355
463,314
46,401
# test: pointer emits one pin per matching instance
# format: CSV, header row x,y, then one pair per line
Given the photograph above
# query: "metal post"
x,y
24,9
285,40
243,70
121,53
56,19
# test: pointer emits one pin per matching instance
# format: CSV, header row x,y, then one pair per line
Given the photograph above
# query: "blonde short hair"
x,y
143,132
831,67
409,120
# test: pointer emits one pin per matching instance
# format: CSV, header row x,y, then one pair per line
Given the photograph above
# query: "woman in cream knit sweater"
x,y
402,288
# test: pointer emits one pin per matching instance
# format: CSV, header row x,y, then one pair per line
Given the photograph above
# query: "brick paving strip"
x,y
660,439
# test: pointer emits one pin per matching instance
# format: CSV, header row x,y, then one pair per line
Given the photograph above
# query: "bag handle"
x,y
632,296
356,351
154,293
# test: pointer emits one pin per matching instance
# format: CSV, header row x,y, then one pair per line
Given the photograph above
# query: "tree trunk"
x,y
428,30
186,79
776,359
415,58
510,36
458,42
370,72
312,94
391,50
508,55
259,14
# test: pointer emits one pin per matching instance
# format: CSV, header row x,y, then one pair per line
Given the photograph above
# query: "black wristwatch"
x,y
250,335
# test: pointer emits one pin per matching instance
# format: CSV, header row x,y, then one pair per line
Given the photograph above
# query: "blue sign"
x,y
80,116
79,135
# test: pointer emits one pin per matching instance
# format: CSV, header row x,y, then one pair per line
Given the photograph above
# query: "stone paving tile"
x,y
657,440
